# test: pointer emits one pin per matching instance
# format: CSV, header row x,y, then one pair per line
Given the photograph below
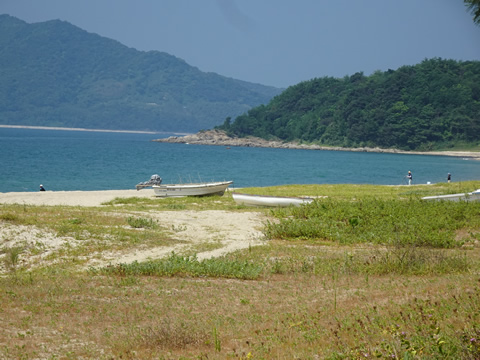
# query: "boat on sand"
x,y
191,189
472,196
154,180
268,200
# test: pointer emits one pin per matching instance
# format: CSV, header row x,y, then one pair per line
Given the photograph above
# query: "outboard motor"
x,y
154,180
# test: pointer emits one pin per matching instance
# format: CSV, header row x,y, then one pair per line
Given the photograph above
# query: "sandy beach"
x,y
71,198
91,130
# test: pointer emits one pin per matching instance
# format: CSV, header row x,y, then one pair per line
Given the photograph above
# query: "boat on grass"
x,y
268,200
472,196
191,189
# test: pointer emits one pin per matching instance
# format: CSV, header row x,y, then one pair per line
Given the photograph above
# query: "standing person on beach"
x,y
409,177
449,177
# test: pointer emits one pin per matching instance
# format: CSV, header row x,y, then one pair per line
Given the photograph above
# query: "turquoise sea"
x,y
85,160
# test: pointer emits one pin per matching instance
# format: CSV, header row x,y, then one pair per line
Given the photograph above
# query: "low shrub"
x,y
138,223
176,265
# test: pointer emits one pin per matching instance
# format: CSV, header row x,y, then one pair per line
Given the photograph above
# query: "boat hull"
x,y
199,189
269,201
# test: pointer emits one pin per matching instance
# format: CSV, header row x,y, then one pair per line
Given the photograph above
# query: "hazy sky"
x,y
275,42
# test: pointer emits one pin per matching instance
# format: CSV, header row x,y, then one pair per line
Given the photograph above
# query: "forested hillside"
x,y
435,104
55,74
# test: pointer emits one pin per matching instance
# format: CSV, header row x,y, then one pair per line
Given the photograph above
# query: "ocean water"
x,y
85,160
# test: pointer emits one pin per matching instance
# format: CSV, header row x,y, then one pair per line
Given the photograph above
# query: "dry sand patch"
x,y
218,232
227,231
35,244
71,198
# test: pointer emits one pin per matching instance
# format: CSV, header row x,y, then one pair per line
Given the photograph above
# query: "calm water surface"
x,y
84,160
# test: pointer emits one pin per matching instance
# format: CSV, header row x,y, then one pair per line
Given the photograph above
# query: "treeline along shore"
x,y
220,138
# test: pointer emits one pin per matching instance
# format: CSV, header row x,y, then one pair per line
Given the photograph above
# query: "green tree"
x,y
430,105
474,7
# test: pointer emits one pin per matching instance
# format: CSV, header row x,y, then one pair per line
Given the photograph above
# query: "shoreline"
x,y
220,138
86,198
89,130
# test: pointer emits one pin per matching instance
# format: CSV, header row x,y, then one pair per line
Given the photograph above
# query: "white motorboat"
x,y
268,200
191,189
472,196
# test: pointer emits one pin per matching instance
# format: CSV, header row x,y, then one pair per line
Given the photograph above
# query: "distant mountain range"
x,y
56,74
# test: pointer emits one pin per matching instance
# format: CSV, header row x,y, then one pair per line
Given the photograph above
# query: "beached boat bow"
x,y
269,201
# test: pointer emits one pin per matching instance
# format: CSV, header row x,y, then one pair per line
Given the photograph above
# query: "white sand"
x,y
72,198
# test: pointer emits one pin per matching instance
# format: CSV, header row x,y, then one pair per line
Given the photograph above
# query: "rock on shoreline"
x,y
220,138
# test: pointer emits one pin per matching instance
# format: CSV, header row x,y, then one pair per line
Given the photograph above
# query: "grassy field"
x,y
363,272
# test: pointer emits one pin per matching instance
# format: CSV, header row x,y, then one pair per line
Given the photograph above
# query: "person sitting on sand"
x,y
42,188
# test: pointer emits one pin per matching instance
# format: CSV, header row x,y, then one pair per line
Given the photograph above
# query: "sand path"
x,y
224,231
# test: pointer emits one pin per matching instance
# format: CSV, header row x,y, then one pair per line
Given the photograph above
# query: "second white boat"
x,y
268,200
473,196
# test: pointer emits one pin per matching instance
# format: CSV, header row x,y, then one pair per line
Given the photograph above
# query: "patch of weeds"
x,y
174,334
12,257
8,216
277,266
471,341
375,261
139,223
417,261
75,221
128,281
179,228
38,248
176,265
128,201
176,206
69,228
198,248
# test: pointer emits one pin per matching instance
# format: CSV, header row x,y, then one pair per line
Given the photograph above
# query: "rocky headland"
x,y
220,138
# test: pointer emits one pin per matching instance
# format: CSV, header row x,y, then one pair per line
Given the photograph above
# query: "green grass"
x,y
364,272
397,222
356,192
180,203
176,265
